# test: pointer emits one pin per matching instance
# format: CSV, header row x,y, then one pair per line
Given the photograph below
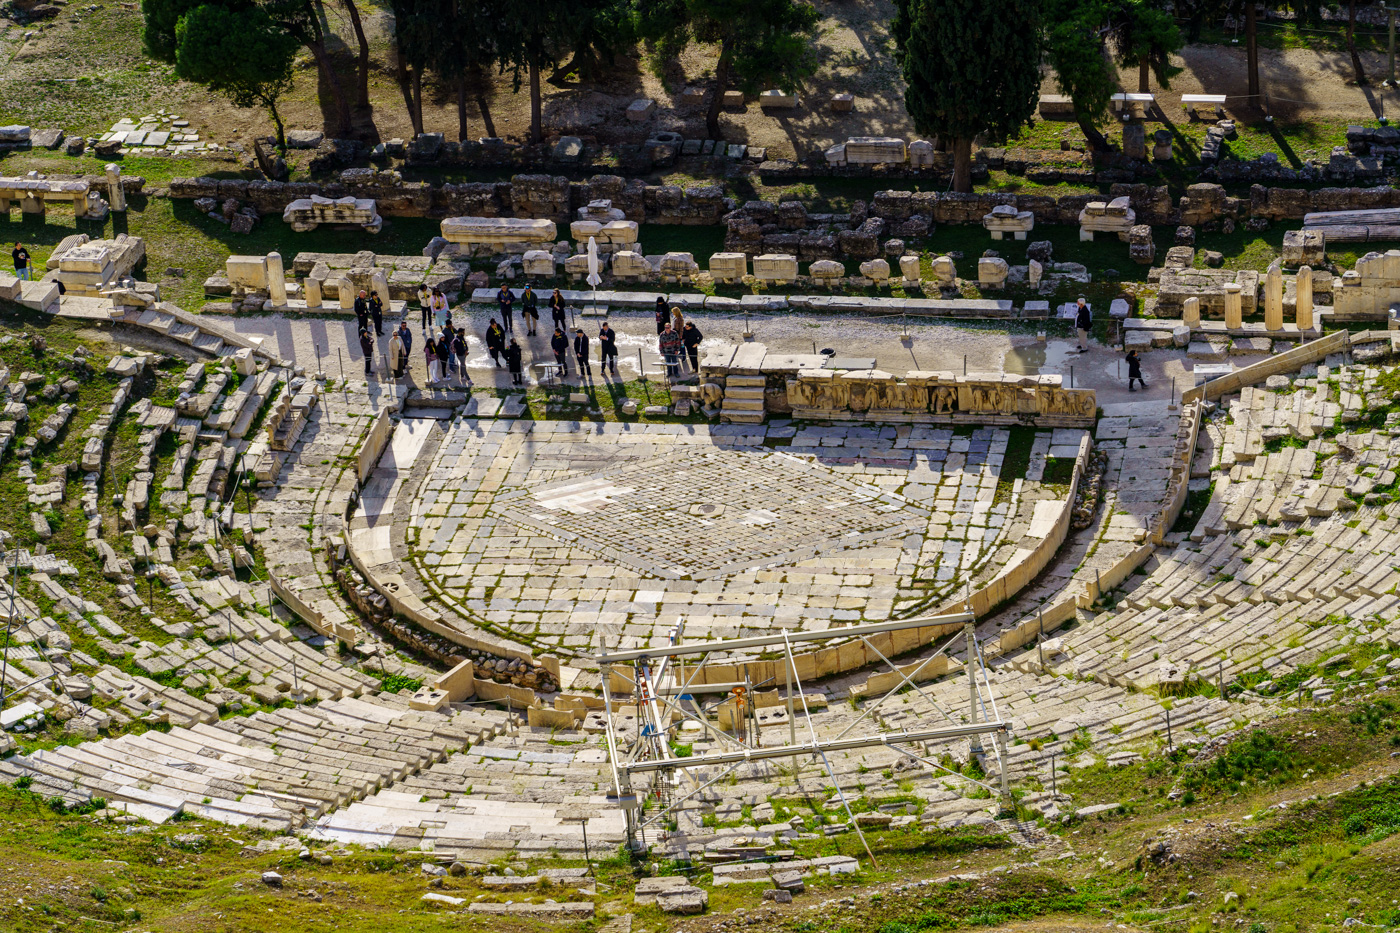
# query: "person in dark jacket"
x,y
506,301
581,351
1083,319
361,311
443,347
367,348
495,342
459,350
530,310
560,345
376,311
663,316
406,335
557,308
690,338
1134,370
607,348
513,361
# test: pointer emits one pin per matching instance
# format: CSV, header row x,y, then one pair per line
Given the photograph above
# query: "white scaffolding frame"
x,y
661,688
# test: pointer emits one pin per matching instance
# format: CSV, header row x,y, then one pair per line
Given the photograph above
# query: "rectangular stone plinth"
x,y
502,232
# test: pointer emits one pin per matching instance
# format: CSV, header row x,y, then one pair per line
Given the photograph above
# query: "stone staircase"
x,y
743,400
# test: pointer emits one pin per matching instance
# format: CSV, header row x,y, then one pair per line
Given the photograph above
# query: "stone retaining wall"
x,y
1286,362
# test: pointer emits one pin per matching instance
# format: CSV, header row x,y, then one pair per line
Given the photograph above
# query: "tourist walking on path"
x,y
691,337
581,351
557,308
607,349
495,342
441,315
1134,370
376,313
406,335
367,348
425,304
1083,319
397,355
21,257
459,349
443,347
362,311
530,311
560,345
663,317
513,361
506,300
430,356
670,345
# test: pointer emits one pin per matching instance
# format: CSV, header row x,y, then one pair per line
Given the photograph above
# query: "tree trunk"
x,y
1096,140
479,82
1144,73
462,108
1358,71
1251,49
277,122
962,166
328,75
721,84
536,106
416,113
362,65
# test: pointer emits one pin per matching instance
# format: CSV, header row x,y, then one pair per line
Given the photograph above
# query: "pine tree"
x,y
971,67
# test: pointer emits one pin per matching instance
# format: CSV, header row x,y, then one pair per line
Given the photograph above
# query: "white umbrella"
x,y
593,277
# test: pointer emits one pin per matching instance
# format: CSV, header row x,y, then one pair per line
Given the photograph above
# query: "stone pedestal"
x,y
116,194
346,290
1273,297
379,284
1233,316
276,280
312,290
1305,298
1191,312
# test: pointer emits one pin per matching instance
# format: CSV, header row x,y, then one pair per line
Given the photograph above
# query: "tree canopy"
x,y
237,52
970,67
762,43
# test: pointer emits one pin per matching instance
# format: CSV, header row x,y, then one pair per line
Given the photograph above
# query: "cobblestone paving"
x,y
557,533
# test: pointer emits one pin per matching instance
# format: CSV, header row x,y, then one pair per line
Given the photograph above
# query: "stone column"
x,y
1273,297
313,293
347,294
276,280
116,194
1305,298
80,206
379,282
1233,314
1191,312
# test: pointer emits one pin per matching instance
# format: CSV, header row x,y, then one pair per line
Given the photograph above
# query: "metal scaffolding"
x,y
667,688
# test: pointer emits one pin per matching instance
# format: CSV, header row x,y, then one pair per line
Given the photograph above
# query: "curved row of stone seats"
x,y
277,666
273,770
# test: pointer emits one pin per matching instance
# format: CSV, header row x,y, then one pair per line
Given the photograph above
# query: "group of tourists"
x,y
445,346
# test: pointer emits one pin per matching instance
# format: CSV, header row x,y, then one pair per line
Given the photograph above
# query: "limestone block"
x,y
909,268
874,150
1302,247
1034,271
920,153
729,267
576,265
944,271
538,263
777,99
87,258
679,265
1233,311
1005,219
992,272
640,110
826,270
734,98
836,155
843,103
629,265
503,234
776,268
248,272
877,269
277,280
1191,312
692,97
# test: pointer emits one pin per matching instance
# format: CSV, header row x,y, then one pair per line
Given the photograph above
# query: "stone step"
x,y
735,381
209,343
741,404
744,392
